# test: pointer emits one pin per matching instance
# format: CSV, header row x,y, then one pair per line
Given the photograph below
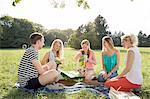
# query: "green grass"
x,y
9,60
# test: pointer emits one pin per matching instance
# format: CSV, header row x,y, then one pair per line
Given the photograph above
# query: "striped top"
x,y
26,69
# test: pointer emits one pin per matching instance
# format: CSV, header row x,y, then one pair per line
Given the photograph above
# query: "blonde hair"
x,y
109,40
85,41
133,39
60,53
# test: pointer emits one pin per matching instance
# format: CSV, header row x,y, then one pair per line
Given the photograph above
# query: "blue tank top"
x,y
110,62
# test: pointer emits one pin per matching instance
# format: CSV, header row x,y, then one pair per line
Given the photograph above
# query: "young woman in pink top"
x,y
87,60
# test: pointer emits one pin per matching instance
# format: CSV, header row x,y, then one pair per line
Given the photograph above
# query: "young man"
x,y
31,73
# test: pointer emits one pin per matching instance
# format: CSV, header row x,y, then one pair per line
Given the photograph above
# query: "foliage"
x,y
83,3
60,3
53,34
117,38
9,61
15,32
93,31
144,40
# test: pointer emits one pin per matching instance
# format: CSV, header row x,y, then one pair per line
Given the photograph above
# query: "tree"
x,y
101,29
15,32
93,31
53,34
80,30
68,32
61,3
143,39
117,38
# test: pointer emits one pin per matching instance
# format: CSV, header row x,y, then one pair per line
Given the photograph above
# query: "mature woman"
x,y
131,77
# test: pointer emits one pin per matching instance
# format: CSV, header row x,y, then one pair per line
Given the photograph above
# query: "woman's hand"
x,y
109,74
48,65
105,75
59,61
45,67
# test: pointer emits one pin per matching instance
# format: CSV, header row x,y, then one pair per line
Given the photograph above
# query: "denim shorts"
x,y
102,79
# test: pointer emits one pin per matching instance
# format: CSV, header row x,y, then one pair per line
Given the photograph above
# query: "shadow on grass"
x,y
15,93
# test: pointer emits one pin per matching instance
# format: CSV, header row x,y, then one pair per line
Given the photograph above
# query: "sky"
x,y
121,15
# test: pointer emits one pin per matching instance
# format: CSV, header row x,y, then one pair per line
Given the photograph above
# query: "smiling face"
x,y
57,46
106,45
85,47
85,44
126,43
41,43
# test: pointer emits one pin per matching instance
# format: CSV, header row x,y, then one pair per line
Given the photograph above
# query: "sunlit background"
x,y
121,15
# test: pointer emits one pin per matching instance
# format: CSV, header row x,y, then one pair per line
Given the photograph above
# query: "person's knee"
x,y
107,84
88,77
55,74
101,78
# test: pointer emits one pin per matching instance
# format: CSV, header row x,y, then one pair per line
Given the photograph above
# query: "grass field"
x,y
9,60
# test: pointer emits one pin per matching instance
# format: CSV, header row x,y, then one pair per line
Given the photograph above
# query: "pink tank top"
x,y
88,64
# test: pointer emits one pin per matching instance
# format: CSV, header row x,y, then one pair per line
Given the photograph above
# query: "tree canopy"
x,y
93,31
15,32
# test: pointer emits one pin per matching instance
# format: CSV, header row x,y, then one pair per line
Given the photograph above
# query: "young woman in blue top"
x,y
110,60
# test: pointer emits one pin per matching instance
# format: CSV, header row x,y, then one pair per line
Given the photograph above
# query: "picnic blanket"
x,y
60,88
100,90
69,74
68,84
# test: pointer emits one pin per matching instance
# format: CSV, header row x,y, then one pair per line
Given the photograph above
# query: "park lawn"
x,y
9,60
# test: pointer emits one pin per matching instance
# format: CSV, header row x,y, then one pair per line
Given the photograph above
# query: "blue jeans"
x,y
102,79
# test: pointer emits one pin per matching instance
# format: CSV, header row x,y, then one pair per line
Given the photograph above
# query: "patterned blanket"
x,y
100,90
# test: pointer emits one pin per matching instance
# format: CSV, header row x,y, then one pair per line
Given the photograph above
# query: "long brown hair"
x,y
109,40
85,41
59,53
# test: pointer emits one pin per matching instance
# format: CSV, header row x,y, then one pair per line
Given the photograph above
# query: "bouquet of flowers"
x,y
83,60
58,62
